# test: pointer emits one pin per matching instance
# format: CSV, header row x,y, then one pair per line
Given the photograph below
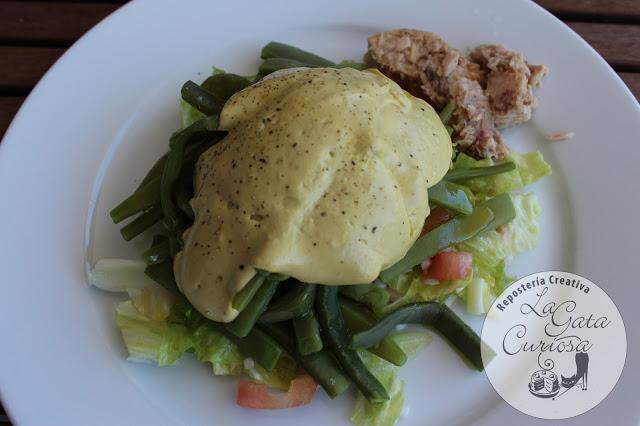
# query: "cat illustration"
x,y
582,368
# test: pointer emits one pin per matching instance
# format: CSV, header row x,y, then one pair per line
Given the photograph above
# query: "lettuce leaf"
x,y
119,275
529,168
150,336
189,114
412,289
153,302
490,251
387,413
151,341
279,378
521,234
493,249
212,347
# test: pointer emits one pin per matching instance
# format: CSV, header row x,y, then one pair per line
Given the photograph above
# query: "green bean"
x,y
143,222
172,219
281,50
162,273
184,313
244,296
182,201
247,318
157,253
485,217
225,85
319,365
257,344
503,211
158,166
204,128
141,200
415,313
183,193
335,334
461,336
201,99
434,314
459,175
307,332
295,303
175,244
359,319
154,172
452,196
447,112
276,64
371,295
352,64
157,239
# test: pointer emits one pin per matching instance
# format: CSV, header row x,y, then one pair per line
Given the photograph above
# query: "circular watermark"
x,y
554,345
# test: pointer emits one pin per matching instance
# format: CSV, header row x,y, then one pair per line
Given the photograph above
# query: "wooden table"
x,y
33,35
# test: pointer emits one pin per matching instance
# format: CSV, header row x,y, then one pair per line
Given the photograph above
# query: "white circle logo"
x,y
554,345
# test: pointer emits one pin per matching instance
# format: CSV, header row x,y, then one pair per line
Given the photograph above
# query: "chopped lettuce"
x,y
279,378
412,342
529,168
490,252
154,302
189,114
387,413
412,288
521,234
149,340
477,295
212,347
150,336
162,342
492,249
119,275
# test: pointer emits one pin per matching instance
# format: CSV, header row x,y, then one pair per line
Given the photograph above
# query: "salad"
x,y
303,214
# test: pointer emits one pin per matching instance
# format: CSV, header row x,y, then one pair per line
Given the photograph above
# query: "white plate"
x,y
102,114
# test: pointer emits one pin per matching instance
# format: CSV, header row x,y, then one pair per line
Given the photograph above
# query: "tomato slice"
x,y
449,265
256,395
437,216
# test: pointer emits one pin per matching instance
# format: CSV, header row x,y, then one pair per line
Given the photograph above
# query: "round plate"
x,y
103,113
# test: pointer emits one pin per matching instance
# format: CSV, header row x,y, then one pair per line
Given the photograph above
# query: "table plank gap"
x,y
48,22
9,106
594,10
24,66
632,80
618,44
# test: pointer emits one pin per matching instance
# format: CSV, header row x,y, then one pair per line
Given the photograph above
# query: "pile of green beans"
x,y
486,217
434,314
319,326
279,56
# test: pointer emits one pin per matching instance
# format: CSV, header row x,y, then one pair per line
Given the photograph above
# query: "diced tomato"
x,y
256,395
449,265
437,217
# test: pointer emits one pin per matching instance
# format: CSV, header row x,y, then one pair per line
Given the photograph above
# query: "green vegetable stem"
x,y
437,315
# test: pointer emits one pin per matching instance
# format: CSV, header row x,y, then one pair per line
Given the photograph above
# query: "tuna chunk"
x,y
509,84
472,121
493,88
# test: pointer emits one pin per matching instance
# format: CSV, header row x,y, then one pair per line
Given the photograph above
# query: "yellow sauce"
x,y
323,176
